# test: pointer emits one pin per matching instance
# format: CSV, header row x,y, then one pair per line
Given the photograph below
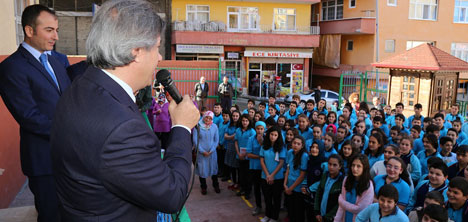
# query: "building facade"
x,y
267,43
365,31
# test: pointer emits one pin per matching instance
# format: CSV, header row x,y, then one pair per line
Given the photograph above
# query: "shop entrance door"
x,y
254,79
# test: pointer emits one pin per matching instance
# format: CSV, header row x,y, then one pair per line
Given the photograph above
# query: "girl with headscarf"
x,y
162,119
207,161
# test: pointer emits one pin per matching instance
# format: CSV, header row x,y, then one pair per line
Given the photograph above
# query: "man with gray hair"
x,y
107,161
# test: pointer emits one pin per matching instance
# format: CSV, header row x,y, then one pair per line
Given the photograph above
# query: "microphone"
x,y
164,77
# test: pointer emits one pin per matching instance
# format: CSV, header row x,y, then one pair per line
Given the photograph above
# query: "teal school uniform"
x,y
295,173
372,214
271,162
253,147
402,187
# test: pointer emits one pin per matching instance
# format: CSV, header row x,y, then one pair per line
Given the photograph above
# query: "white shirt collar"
x,y
32,50
122,84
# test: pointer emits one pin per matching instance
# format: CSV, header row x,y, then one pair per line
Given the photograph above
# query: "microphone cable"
x,y
197,128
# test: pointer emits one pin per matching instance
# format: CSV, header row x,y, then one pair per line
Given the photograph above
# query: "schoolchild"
x,y
230,159
437,181
347,152
332,118
292,113
255,170
375,150
431,143
385,210
446,145
258,116
317,137
440,122
416,122
290,134
272,103
415,132
457,125
270,122
321,120
399,107
281,122
282,110
272,113
331,129
251,113
272,156
411,160
398,177
384,125
430,128
310,106
399,121
417,114
435,213
243,135
218,117
296,98
329,189
457,205
294,179
341,134
250,105
303,127
360,129
357,142
346,124
262,108
315,167
222,149
322,107
357,191
376,124
432,198
453,115
363,115
457,169
328,141
379,167
394,132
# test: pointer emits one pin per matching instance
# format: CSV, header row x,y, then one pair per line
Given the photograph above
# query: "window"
x,y
350,45
390,45
199,13
423,9
332,9
412,44
352,3
284,19
242,18
409,91
19,7
392,2
461,11
460,50
332,95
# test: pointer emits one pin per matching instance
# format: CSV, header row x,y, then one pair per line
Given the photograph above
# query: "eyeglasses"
x,y
388,166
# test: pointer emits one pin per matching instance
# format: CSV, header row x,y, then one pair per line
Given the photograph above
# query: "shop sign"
x,y
202,49
278,54
233,55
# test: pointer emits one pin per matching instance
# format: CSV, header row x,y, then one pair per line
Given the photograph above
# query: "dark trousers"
x,y
221,167
232,172
244,180
272,196
163,137
45,198
214,179
296,207
226,102
256,181
309,207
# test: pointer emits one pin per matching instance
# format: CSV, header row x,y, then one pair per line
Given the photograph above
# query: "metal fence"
x,y
366,85
186,78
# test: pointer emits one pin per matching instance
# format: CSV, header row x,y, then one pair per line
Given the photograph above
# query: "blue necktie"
x,y
43,59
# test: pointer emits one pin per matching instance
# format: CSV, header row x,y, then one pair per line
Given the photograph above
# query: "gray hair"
x,y
119,27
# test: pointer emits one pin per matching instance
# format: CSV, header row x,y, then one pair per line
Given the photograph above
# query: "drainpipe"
x,y
377,30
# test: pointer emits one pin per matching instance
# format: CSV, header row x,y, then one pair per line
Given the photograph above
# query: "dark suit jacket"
x,y
62,58
107,160
31,95
201,92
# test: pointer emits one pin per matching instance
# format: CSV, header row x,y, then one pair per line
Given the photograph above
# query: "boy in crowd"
x,y
453,115
432,198
272,103
446,145
218,118
282,110
399,121
415,132
437,181
457,125
435,213
310,106
250,105
394,132
296,98
399,107
457,200
385,210
262,108
417,114
457,169
439,121
293,113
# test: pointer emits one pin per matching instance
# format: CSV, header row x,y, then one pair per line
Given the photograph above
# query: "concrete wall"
x,y
11,177
8,37
73,34
363,49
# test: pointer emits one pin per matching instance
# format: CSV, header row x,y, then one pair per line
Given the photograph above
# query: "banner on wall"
x,y
297,76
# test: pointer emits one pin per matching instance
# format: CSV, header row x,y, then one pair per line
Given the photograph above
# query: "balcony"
x,y
349,26
216,33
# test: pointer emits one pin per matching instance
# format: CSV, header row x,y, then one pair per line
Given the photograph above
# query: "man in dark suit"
x,y
31,83
107,161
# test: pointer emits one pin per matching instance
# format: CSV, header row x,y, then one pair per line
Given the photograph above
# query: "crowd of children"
x,y
370,164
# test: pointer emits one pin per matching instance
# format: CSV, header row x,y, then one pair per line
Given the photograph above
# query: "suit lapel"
x,y
36,64
99,77
62,77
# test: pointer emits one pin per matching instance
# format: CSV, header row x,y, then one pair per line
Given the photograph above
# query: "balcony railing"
x,y
215,26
